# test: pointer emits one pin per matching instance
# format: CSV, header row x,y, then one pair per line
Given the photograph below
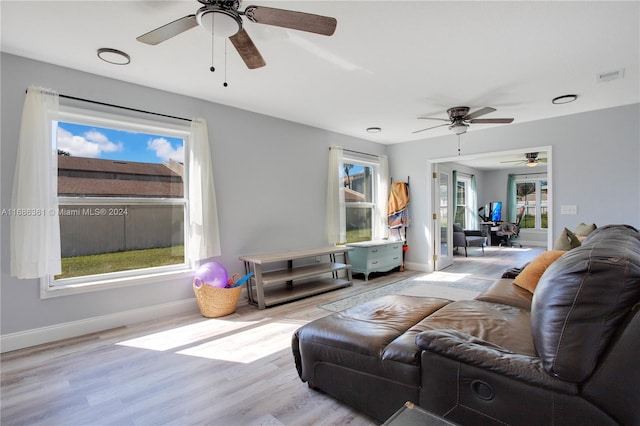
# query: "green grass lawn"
x,y
120,261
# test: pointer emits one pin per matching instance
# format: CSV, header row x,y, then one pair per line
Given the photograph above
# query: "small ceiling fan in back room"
x,y
530,159
223,18
460,119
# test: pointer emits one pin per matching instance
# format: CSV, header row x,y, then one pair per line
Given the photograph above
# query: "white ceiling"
x,y
387,63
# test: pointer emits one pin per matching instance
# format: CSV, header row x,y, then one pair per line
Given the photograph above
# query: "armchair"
x,y
468,238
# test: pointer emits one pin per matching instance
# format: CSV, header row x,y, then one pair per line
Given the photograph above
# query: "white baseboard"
x,y
422,267
38,336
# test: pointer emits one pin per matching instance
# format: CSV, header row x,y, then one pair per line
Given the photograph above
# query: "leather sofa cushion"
x,y
504,291
503,326
581,300
357,339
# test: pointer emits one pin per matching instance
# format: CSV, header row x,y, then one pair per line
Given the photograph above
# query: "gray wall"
x,y
259,162
595,165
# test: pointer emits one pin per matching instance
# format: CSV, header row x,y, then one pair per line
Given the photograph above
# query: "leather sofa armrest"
x,y
467,349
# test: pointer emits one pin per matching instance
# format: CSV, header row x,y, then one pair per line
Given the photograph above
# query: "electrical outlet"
x,y
566,209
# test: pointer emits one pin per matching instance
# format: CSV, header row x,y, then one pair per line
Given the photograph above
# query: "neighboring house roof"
x,y
78,176
353,196
100,165
72,186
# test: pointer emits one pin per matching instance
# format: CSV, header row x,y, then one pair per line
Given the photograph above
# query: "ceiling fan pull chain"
x,y
458,144
212,69
225,84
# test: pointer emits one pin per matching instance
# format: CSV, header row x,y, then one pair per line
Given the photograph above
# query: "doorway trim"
x,y
431,167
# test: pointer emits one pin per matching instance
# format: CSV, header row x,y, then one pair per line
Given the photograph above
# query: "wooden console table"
x,y
271,286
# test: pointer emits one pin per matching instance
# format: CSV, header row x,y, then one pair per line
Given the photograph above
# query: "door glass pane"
x,y
444,214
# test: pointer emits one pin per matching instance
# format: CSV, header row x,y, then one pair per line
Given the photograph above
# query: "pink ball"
x,y
213,274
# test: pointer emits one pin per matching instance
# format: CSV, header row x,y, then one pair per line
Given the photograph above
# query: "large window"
x,y
531,194
359,194
122,198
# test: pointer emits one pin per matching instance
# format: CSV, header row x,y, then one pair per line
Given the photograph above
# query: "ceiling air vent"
x,y
609,76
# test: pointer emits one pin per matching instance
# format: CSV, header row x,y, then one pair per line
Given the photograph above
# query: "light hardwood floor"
x,y
190,370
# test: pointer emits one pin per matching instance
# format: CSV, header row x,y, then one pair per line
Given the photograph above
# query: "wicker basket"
x,y
214,301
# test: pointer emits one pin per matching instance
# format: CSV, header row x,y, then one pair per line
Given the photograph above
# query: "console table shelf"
x,y
270,287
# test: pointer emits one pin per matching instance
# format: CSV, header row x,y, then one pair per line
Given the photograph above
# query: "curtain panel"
x,y
381,226
336,221
34,224
204,241
511,198
474,203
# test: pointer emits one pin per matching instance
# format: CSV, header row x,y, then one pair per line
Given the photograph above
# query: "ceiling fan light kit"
x,y
219,22
458,128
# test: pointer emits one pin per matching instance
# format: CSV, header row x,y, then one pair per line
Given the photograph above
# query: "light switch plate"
x,y
566,209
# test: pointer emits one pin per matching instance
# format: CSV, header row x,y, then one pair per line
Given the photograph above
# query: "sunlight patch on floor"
x,y
249,345
186,335
442,276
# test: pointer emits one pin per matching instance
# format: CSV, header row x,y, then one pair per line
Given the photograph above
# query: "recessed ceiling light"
x,y
374,130
113,56
564,99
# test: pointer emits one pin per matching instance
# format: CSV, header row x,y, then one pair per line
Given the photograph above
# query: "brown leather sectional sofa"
x,y
568,354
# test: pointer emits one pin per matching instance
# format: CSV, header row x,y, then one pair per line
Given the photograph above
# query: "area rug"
x,y
436,284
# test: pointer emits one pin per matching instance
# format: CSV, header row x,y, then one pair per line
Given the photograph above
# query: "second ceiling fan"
x,y
222,17
460,119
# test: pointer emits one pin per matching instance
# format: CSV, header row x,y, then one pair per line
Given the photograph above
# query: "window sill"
x,y
47,291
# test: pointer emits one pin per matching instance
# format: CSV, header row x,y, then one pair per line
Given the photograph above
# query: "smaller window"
x,y
464,214
358,178
532,195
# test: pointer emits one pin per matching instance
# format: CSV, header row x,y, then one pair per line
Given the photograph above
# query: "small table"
x,y
410,414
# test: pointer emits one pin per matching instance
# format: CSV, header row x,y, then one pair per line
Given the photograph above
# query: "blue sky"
x,y
110,144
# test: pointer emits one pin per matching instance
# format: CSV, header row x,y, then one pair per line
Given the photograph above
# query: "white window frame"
x,y
49,287
537,181
469,215
353,158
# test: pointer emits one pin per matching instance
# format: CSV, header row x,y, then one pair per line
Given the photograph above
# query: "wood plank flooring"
x,y
190,370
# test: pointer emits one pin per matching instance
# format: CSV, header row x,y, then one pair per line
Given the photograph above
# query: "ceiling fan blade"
x,y
290,19
429,128
491,120
478,113
435,118
247,50
169,30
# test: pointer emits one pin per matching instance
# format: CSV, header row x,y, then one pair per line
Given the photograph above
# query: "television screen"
x,y
496,211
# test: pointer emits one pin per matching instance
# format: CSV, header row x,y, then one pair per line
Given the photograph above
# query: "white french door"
x,y
442,215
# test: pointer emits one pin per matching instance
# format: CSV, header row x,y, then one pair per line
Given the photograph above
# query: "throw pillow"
x,y
567,241
583,229
530,275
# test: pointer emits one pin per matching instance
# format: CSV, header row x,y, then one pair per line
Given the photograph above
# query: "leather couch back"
x,y
583,298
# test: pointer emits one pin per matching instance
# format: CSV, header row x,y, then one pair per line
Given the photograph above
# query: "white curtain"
x,y
336,215
474,203
35,228
203,212
381,225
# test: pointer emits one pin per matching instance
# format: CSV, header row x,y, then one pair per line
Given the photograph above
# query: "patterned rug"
x,y
436,284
